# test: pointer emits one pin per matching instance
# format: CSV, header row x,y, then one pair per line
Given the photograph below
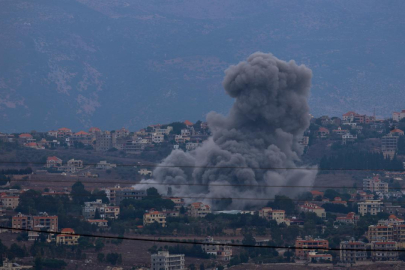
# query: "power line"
x,y
194,242
190,184
216,167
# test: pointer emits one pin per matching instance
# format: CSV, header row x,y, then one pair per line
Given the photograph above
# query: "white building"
x,y
158,138
163,260
191,146
104,165
217,248
373,207
185,132
375,185
145,172
348,138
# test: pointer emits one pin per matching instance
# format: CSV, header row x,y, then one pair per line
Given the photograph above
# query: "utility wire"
x,y
193,242
215,167
188,184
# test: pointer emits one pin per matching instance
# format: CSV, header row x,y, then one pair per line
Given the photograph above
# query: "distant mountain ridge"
x,y
114,63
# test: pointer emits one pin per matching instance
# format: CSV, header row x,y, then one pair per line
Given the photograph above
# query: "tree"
x,y
100,257
113,258
152,192
202,267
249,240
79,193
97,214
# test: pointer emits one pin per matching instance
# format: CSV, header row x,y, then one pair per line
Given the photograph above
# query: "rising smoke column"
x,y
262,129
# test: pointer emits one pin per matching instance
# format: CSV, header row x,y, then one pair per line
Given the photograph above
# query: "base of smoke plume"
x,y
233,199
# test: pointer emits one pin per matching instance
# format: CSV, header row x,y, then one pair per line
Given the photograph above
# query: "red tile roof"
x,y
94,129
81,133
188,123
54,158
25,135
397,130
63,129
67,230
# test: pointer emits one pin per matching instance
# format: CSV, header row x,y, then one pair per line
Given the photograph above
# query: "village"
x,y
85,183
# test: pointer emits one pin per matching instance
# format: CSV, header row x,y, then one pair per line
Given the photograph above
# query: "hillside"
x,y
131,63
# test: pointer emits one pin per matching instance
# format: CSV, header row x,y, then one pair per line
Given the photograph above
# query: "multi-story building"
x,y
74,163
44,221
273,214
375,184
380,233
313,208
67,237
40,222
352,251
389,142
384,251
158,138
128,193
163,260
304,246
103,141
217,248
198,209
64,132
154,216
83,137
372,207
91,208
178,203
9,201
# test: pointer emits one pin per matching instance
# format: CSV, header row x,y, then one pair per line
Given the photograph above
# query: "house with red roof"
x,y
94,130
53,162
188,123
323,132
316,193
25,138
64,132
350,218
397,132
198,209
67,237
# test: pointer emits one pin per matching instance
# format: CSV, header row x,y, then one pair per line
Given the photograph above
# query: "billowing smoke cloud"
x,y
262,130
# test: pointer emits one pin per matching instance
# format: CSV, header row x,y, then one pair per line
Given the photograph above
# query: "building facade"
x,y
166,261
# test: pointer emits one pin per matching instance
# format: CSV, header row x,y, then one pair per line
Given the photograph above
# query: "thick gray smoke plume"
x,y
262,130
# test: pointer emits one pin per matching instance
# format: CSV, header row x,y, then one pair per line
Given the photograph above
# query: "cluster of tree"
x,y
27,170
32,202
339,208
283,203
359,160
44,263
111,258
15,251
80,195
